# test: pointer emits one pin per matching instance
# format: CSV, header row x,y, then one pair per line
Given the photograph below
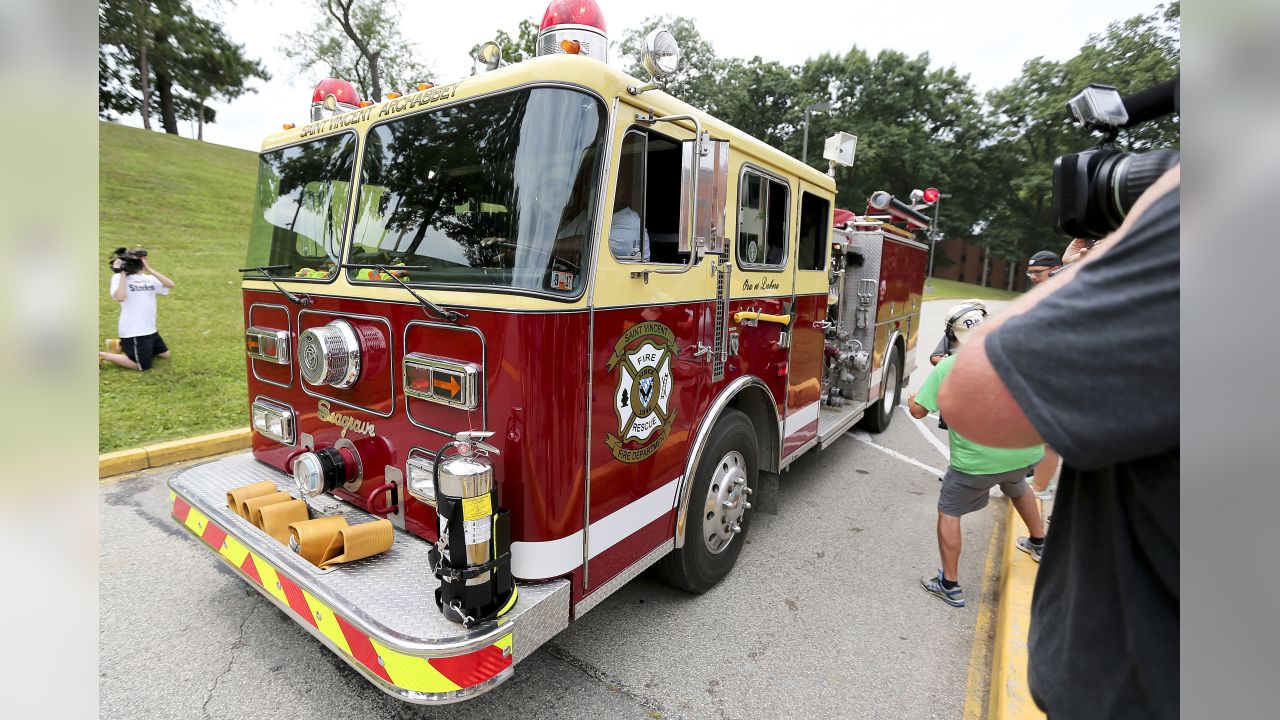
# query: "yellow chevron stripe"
x,y
234,551
413,673
270,580
197,521
325,621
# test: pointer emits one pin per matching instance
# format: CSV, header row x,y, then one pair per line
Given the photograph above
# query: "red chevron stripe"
x,y
180,509
473,668
213,535
362,649
250,568
296,600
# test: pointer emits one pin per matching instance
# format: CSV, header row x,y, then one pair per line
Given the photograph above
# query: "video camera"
x,y
1093,190
130,260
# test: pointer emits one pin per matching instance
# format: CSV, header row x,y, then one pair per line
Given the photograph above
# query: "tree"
x,y
359,41
163,45
1035,127
699,72
523,46
217,68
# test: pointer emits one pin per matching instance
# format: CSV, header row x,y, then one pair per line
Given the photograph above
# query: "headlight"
x,y
269,345
330,355
420,476
273,421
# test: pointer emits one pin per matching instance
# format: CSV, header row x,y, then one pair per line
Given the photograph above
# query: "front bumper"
x,y
377,614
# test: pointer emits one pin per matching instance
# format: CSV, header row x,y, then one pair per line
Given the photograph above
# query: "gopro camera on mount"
x,y
1099,107
1093,190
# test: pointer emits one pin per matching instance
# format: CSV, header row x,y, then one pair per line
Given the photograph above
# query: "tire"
x,y
710,551
878,416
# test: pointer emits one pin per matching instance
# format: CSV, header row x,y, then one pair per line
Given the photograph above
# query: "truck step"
x,y
377,614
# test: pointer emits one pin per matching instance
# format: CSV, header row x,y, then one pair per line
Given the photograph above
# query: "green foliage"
x,y
698,77
1033,126
189,204
184,59
359,41
523,46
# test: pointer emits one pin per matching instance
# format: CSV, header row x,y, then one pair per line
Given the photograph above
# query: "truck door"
x,y
652,341
809,310
763,283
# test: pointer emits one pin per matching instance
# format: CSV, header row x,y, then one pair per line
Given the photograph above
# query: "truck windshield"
x,y
301,208
495,192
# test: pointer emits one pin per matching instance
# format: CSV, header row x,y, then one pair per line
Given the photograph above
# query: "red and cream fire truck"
x,y
549,326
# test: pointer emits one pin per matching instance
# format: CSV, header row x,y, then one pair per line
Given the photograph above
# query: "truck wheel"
x,y
719,509
880,414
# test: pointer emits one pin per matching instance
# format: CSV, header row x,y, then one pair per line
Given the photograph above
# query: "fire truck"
x,y
539,330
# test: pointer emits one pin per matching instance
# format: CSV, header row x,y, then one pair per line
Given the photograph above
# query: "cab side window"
x,y
645,226
815,232
762,221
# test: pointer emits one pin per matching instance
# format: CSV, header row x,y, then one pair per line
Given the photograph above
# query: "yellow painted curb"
x,y
170,452
1010,697
122,461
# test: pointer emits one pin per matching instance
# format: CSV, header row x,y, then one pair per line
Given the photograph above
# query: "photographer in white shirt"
x,y
135,285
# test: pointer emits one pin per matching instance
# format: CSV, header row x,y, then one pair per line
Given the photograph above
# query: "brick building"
x,y
962,260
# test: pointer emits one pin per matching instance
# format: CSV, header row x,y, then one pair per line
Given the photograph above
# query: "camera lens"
x,y
1133,174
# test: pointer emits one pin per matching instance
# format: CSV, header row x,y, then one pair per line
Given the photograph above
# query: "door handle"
x,y
754,316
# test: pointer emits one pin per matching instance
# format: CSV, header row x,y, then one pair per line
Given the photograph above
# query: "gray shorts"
x,y
962,494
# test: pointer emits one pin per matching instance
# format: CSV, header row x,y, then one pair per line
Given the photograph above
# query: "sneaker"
x,y
1045,494
1030,548
933,584
112,345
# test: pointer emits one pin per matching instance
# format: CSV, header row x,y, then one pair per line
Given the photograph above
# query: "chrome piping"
x,y
700,442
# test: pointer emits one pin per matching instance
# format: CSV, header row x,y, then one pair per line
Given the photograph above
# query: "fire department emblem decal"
x,y
642,398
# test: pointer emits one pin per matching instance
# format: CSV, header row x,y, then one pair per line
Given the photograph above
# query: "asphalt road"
x,y
823,616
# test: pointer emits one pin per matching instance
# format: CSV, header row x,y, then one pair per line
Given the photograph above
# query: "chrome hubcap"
x,y
726,502
886,395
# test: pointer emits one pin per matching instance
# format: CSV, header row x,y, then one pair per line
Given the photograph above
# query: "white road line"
x,y
866,439
928,435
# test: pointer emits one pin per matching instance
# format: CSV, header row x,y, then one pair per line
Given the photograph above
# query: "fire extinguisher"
x,y
472,558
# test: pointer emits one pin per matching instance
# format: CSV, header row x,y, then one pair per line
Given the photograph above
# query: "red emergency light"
x,y
333,96
574,27
931,195
574,12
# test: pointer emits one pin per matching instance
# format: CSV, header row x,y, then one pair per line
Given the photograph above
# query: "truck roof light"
x,y
393,95
333,96
425,86
572,47
574,12
931,195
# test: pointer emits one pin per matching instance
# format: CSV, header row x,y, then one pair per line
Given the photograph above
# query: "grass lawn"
x,y
939,289
189,204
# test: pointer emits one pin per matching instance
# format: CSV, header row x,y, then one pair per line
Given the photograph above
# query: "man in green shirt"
x,y
973,471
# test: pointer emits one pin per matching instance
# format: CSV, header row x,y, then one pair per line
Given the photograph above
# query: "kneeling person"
x,y
973,471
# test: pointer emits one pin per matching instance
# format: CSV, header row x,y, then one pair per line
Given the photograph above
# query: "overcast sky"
x,y
987,39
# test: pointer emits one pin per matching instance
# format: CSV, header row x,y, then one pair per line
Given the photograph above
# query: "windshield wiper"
x,y
452,316
299,299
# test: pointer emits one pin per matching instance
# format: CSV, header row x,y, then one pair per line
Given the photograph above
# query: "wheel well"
x,y
758,405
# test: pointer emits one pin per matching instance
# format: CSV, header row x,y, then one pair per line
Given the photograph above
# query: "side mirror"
x,y
705,170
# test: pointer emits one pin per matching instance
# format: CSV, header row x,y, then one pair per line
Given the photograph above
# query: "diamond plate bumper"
x,y
377,614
